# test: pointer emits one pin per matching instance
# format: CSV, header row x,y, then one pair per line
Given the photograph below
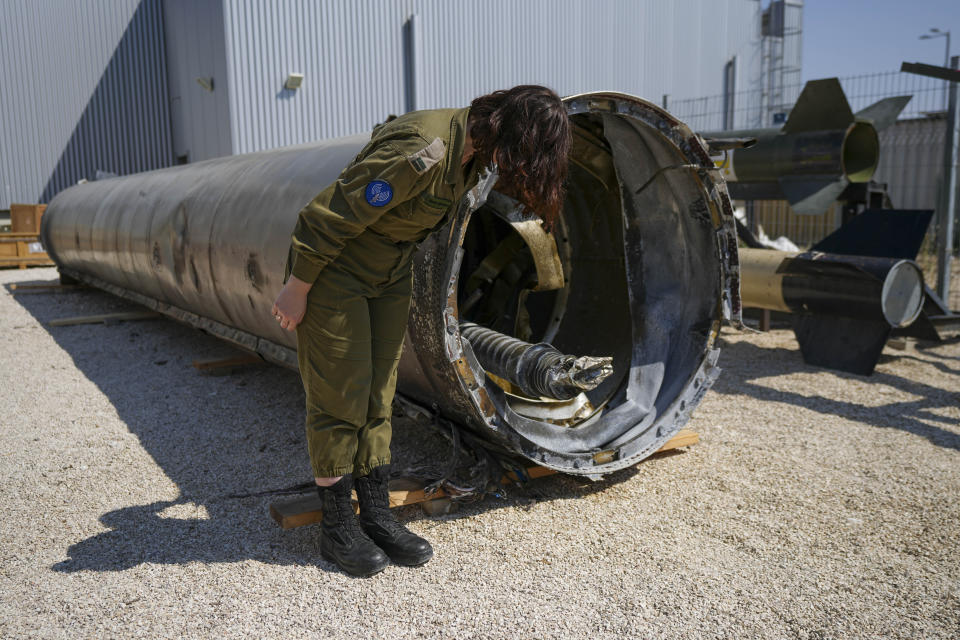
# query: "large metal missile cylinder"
x,y
882,289
642,268
821,149
852,152
844,307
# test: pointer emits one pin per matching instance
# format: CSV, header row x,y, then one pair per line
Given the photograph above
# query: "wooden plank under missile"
x,y
307,509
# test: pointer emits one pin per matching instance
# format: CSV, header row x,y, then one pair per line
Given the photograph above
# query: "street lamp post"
x,y
937,33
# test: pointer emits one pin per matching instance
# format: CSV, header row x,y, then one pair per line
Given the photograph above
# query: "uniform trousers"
x,y
348,347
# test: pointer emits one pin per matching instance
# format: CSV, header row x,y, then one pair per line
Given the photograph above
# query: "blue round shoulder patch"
x,y
379,193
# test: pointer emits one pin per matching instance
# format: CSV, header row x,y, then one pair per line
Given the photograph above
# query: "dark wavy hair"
x,y
527,131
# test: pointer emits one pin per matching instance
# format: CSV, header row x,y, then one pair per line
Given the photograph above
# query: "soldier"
x,y
349,284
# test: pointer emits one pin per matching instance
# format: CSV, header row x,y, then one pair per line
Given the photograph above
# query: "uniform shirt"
x,y
400,186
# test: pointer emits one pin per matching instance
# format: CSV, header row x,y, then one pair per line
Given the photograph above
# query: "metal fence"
x,y
775,218
753,109
911,157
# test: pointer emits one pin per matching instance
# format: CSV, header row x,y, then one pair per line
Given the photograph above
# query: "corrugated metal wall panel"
x,y
105,76
83,89
351,56
355,56
647,48
744,41
911,162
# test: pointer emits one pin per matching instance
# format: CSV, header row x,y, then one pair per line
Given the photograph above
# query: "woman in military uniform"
x,y
348,291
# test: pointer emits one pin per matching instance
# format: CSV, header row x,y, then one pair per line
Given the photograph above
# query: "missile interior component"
x,y
641,268
539,370
821,149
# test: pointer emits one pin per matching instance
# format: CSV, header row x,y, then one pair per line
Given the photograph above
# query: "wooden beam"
x,y
684,438
227,363
106,318
13,236
53,284
298,512
403,491
45,288
931,71
24,262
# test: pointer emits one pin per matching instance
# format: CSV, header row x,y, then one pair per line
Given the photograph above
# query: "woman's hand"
x,y
291,304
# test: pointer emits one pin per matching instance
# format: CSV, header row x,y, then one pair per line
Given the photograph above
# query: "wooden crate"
x,y
22,250
25,218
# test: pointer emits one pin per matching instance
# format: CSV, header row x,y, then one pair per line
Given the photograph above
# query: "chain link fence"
x,y
911,155
756,109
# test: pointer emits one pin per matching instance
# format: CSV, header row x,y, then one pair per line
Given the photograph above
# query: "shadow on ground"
x,y
217,437
745,363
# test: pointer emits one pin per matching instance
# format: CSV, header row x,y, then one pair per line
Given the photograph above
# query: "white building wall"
x,y
91,85
83,89
364,60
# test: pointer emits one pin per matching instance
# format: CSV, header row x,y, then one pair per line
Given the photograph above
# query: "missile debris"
x,y
896,233
642,276
539,370
882,289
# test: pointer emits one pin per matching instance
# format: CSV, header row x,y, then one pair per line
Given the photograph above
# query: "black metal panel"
x,y
845,344
882,233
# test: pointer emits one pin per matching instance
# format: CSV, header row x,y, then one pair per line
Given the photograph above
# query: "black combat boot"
x,y
341,539
403,546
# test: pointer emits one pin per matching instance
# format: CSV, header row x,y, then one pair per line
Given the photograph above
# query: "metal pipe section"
x,y
539,370
648,258
830,284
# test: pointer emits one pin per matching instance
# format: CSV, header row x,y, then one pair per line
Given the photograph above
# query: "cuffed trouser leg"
x,y
337,447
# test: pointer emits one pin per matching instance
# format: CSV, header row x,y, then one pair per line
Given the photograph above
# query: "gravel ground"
x,y
817,504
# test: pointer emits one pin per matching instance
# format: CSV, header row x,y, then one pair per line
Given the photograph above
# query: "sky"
x,y
854,37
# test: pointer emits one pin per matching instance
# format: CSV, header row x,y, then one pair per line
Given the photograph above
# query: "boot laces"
x,y
344,509
379,508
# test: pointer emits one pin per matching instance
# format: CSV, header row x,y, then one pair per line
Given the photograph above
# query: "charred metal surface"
x,y
541,244
538,370
642,267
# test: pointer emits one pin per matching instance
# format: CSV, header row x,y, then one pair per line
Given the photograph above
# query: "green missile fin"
x,y
884,113
811,195
822,105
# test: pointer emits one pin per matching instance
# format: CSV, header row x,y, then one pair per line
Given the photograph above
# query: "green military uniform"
x,y
355,241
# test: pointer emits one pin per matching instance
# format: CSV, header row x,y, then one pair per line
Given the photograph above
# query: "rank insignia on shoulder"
x,y
378,193
430,155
